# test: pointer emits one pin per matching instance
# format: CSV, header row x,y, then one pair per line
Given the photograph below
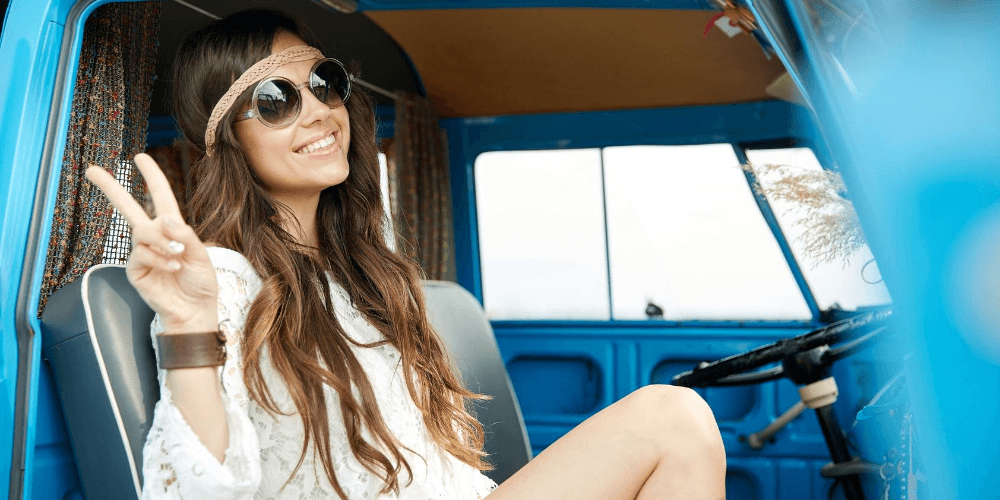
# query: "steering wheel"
x,y
854,333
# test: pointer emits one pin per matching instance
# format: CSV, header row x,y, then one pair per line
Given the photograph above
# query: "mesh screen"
x,y
118,240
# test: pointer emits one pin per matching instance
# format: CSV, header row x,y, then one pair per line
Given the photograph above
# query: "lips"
x,y
322,143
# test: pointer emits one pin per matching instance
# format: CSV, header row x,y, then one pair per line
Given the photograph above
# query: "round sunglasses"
x,y
277,100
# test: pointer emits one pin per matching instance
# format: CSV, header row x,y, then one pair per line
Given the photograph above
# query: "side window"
x,y
685,234
541,234
602,234
808,203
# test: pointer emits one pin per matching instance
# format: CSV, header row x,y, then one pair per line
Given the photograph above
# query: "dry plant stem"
x,y
831,230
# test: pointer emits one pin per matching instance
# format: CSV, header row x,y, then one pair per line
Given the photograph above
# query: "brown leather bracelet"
x,y
191,350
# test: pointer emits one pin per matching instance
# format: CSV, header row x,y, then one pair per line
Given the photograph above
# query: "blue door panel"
x,y
576,376
552,369
751,479
54,466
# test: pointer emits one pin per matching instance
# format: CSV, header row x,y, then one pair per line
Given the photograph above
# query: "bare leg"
x,y
660,442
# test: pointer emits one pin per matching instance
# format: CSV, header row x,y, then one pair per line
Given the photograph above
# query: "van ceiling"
x,y
512,61
488,62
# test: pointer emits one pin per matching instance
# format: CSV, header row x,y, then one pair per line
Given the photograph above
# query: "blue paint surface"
x,y
630,354
507,4
27,52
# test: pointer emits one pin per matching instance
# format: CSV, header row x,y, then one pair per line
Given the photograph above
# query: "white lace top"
x,y
264,448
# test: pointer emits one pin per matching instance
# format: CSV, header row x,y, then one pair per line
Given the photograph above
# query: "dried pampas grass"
x,y
830,227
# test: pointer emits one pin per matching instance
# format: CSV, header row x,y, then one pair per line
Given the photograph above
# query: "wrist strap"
x,y
191,350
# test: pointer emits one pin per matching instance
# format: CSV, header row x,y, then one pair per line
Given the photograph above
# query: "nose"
x,y
313,110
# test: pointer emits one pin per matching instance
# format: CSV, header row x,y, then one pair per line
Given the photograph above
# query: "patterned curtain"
x,y
420,190
107,128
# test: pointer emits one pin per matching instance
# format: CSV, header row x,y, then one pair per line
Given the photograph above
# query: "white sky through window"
x,y
847,285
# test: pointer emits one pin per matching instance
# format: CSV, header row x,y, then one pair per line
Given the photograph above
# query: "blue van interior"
x,y
897,97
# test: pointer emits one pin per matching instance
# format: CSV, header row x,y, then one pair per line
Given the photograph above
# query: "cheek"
x,y
340,114
258,147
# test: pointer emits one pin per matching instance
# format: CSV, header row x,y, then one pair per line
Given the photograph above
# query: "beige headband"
x,y
259,70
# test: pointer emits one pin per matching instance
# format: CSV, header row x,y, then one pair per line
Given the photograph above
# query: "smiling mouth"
x,y
324,143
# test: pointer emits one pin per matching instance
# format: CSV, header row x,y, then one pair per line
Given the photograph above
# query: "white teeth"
x,y
320,144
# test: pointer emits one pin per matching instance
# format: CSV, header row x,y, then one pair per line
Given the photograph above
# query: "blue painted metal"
x,y
632,358
463,208
650,327
27,50
786,249
508,4
385,117
917,128
161,131
780,36
46,54
630,354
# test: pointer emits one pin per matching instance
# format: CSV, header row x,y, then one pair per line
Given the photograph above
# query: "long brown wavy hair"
x,y
230,207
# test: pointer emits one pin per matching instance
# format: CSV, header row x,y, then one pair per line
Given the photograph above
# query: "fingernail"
x,y
175,246
169,221
174,265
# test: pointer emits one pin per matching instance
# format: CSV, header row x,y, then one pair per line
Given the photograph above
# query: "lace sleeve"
x,y
176,464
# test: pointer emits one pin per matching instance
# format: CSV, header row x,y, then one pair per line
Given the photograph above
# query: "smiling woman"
x,y
324,320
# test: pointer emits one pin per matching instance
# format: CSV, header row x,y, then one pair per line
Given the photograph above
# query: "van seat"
x,y
95,336
468,336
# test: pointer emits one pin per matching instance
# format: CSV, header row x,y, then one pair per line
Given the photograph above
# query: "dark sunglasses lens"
x,y
277,102
330,84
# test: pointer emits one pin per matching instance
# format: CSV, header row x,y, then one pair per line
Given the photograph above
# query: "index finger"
x,y
119,197
164,201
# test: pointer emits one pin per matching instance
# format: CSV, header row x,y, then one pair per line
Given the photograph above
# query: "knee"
x,y
678,417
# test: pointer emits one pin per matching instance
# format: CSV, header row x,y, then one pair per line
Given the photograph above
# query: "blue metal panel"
x,y
463,211
507,4
32,51
751,479
27,54
161,131
54,466
917,129
385,118
651,355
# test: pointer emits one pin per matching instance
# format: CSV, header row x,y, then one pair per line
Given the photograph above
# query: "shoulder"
x,y
231,262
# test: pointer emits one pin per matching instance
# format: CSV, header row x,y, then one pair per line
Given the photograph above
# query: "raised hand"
x,y
169,265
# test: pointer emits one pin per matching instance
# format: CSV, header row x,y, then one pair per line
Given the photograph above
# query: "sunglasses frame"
x,y
254,113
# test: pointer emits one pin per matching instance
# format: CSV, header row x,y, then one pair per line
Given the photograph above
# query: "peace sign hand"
x,y
169,265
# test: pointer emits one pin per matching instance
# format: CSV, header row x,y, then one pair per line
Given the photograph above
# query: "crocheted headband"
x,y
259,70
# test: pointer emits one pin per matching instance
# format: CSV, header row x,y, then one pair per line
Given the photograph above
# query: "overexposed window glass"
x,y
541,234
383,168
685,233
841,283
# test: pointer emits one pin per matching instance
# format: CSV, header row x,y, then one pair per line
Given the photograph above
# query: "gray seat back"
x,y
97,343
95,336
460,321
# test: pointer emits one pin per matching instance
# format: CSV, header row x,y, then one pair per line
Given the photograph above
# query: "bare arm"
x,y
170,268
